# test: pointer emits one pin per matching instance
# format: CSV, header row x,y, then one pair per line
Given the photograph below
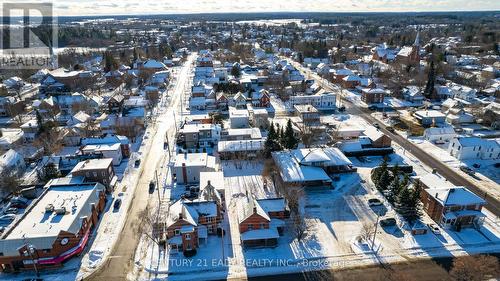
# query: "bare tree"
x,y
300,227
9,180
367,231
50,140
475,268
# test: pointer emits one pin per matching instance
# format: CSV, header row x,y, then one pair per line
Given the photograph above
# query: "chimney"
x,y
180,215
254,209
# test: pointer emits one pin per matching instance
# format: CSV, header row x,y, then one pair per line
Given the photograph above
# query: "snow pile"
x,y
95,257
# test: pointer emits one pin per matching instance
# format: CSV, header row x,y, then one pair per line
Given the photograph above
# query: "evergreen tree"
x,y
289,139
272,142
384,180
395,189
429,88
236,71
110,62
377,172
408,204
39,121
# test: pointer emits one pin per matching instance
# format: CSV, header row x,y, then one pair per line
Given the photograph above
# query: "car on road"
x,y
390,129
467,170
388,222
374,202
434,228
117,203
137,163
10,210
151,186
376,125
342,108
7,218
372,107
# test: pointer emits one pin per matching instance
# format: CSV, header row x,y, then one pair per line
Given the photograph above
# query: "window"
x,y
95,174
262,225
177,232
188,236
250,226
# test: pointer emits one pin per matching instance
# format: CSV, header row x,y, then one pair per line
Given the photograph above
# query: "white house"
x,y
464,148
112,151
11,163
444,134
188,166
239,118
325,101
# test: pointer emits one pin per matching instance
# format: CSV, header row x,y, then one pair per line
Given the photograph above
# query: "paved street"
x,y
120,262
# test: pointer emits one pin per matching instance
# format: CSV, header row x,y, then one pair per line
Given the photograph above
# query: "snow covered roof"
x,y
435,181
93,164
154,64
470,141
373,133
329,156
240,145
429,113
455,196
195,159
272,204
292,171
440,131
42,227
191,211
257,234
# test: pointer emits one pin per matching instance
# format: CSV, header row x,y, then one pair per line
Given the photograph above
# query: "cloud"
x,y
118,7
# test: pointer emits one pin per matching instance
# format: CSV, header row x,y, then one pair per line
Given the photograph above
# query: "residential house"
x,y
199,135
97,170
372,95
430,117
413,94
437,135
465,148
310,167
453,206
239,118
189,223
110,139
188,166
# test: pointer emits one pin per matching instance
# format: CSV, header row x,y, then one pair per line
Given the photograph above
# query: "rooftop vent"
x,y
61,210
49,208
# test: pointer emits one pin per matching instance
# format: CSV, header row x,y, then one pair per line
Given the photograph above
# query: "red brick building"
x,y
261,222
453,206
189,224
54,228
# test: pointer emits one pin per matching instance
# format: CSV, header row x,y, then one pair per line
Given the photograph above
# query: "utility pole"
x,y
375,232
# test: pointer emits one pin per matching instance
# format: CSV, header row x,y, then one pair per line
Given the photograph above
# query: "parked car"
x,y
342,108
434,228
376,125
165,145
390,129
137,163
374,202
151,186
117,203
7,218
19,202
388,222
10,210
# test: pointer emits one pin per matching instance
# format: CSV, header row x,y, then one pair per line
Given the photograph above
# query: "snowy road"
x,y
121,263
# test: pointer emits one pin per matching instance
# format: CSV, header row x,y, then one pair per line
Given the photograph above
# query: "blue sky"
x,y
112,7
